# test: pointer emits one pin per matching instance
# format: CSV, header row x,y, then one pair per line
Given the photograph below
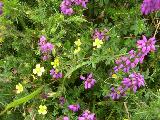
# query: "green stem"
x,y
22,100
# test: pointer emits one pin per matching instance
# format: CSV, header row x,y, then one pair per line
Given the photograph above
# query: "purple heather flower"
x,y
135,81
42,40
66,7
87,115
1,5
55,74
125,63
45,47
74,107
101,35
149,6
145,45
65,118
131,60
81,2
117,94
89,81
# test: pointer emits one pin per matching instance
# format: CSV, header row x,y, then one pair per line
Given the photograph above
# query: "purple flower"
x,y
55,74
87,115
131,60
149,6
101,35
135,81
125,63
1,6
117,94
81,2
65,118
145,45
66,5
45,48
62,100
89,81
42,40
74,107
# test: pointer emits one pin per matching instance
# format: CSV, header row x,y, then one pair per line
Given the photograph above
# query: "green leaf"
x,y
22,100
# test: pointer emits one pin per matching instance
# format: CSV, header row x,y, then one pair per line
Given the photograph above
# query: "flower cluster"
x,y
149,6
125,63
134,81
45,48
89,81
144,46
55,74
87,115
101,35
131,60
1,5
66,5
117,93
74,107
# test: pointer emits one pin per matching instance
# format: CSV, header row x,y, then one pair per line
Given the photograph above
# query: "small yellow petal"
x,y
19,88
42,69
114,76
38,66
77,50
34,71
78,42
39,74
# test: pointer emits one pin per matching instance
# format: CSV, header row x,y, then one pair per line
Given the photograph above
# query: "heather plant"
x,y
79,60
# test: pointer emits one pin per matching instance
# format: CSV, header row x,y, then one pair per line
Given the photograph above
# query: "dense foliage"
x,y
79,59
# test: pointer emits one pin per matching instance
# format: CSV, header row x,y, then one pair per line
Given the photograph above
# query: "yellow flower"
x,y
77,50
78,42
114,76
19,88
97,43
38,70
55,63
42,109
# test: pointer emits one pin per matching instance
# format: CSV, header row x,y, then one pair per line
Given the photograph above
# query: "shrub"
x,y
79,59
